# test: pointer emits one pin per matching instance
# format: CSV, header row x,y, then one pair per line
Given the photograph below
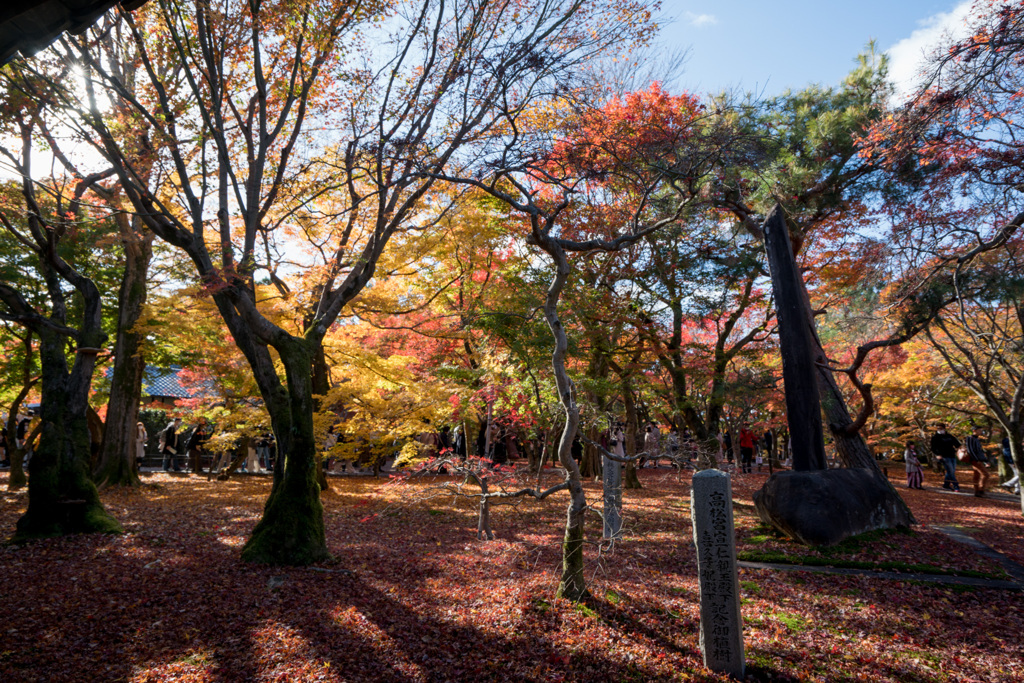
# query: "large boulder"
x,y
824,507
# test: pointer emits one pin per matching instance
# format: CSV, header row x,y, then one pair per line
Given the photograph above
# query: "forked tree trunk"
x,y
61,497
291,531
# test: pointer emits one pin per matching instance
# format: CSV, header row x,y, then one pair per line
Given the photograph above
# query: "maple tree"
x,y
44,220
957,139
213,91
705,281
560,198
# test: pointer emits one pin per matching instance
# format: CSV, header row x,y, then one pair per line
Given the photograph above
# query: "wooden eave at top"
x,y
28,26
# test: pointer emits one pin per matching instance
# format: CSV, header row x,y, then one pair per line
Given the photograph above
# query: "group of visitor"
x,y
971,452
177,446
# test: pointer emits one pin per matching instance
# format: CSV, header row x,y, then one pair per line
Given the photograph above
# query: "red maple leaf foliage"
x,y
629,135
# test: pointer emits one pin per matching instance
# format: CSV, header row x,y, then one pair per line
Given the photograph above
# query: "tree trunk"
x,y
1017,453
483,527
61,497
797,347
291,531
96,429
630,480
590,461
116,465
573,585
321,385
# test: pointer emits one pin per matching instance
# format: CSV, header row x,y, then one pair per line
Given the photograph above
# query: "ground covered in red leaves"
x,y
414,596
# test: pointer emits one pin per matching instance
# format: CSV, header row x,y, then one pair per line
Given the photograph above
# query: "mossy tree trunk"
x,y
61,497
291,530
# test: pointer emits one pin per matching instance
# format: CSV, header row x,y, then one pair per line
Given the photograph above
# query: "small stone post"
x,y
721,625
612,498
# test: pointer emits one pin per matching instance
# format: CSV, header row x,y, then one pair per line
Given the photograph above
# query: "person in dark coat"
x,y
499,451
576,449
169,446
944,445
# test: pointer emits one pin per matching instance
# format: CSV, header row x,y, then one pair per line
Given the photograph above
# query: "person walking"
x,y
652,445
746,448
769,444
140,445
979,461
1014,481
944,445
169,445
915,473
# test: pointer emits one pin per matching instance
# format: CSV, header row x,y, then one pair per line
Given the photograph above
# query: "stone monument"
x,y
721,625
612,498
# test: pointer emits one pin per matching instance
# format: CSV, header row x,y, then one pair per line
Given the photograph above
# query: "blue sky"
x,y
769,45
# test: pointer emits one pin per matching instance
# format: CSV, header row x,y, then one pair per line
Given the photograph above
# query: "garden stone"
x,y
825,507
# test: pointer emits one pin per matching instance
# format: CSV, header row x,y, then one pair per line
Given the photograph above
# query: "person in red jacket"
x,y
746,448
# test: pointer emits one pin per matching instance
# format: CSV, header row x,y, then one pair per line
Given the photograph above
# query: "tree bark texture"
x,y
803,405
291,531
116,465
61,497
572,585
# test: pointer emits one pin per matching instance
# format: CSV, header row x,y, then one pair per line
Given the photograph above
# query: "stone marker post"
x,y
612,498
721,626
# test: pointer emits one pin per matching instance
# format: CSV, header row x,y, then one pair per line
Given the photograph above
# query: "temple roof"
x,y
28,26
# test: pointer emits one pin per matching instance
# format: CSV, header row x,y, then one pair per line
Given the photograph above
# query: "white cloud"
x,y
700,20
908,57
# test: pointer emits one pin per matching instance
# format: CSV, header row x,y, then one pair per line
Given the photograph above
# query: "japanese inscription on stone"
x,y
721,626
612,498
